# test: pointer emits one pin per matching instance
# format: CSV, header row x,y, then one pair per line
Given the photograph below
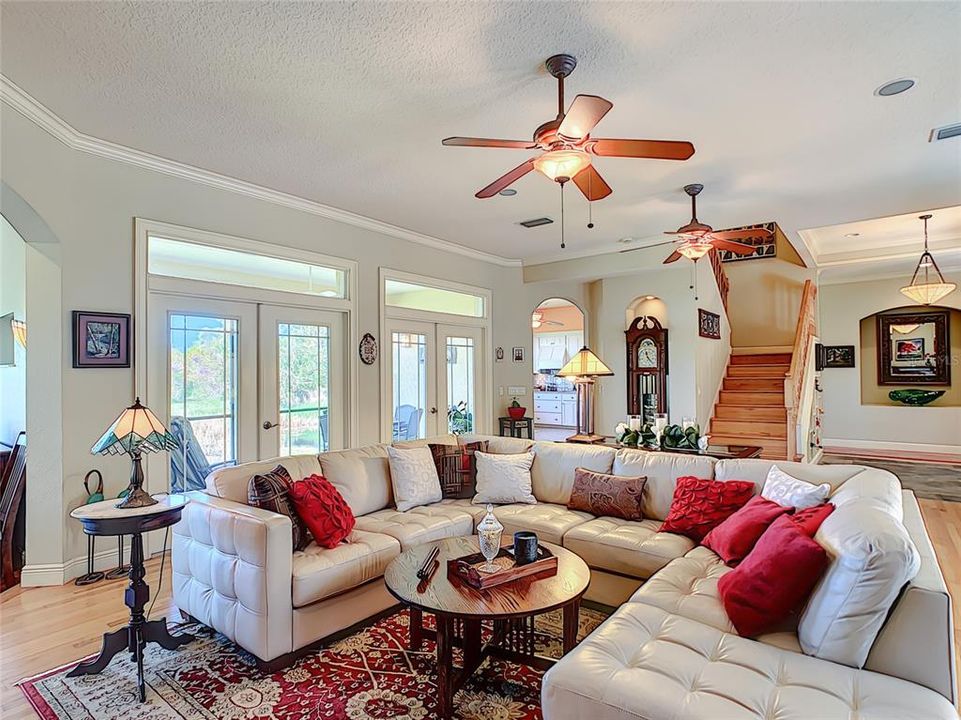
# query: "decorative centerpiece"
x,y
676,437
640,436
489,532
516,410
915,396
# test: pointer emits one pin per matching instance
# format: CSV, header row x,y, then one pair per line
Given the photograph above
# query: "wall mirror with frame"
x,y
914,348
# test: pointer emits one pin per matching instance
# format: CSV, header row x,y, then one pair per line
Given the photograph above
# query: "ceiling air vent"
x,y
536,222
945,132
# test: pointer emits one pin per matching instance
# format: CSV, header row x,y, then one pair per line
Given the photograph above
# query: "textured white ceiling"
x,y
346,104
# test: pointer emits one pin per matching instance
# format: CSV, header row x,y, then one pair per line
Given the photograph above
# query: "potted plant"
x,y
516,410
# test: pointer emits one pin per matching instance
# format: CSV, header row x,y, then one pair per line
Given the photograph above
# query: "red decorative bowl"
x,y
516,413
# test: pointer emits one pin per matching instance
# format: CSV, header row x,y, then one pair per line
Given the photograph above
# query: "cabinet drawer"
x,y
547,406
548,418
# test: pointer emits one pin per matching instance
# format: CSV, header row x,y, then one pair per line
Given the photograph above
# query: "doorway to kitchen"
x,y
557,325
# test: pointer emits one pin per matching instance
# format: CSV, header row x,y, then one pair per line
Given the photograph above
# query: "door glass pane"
x,y
409,354
304,355
460,385
203,396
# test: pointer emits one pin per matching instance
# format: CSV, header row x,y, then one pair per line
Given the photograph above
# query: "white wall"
x,y
90,203
13,298
764,301
848,423
712,356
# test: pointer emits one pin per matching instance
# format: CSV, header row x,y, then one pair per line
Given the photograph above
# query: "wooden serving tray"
x,y
466,568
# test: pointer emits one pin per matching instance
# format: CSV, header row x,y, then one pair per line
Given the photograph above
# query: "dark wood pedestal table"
x,y
104,518
460,609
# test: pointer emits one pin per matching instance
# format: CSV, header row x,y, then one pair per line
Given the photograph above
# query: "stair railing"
x,y
798,376
723,284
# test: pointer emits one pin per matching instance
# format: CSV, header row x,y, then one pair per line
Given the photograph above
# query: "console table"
x,y
105,518
511,427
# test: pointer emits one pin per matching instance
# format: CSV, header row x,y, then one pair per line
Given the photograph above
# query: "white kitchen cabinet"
x,y
555,408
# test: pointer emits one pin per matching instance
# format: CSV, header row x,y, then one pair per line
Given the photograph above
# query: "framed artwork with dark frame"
x,y
914,348
708,324
517,354
101,339
838,356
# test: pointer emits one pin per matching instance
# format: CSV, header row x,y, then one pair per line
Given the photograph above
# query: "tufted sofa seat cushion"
x,y
464,505
550,522
627,547
320,573
644,663
418,525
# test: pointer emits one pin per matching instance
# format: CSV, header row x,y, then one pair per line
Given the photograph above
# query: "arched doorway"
x,y
557,326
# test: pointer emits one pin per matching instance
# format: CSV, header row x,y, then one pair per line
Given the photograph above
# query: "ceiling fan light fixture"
x,y
565,163
695,249
927,285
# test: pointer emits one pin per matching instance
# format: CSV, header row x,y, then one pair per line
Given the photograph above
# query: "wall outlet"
x,y
517,390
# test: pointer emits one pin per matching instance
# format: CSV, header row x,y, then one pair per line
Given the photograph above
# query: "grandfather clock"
x,y
646,368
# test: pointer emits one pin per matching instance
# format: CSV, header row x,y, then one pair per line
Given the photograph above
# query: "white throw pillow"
x,y
872,557
791,492
413,476
504,479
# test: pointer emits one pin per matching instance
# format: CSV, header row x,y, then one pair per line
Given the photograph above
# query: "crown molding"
x,y
41,116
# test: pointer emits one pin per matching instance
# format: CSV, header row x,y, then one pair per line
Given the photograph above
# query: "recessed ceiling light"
x,y
852,234
894,87
508,192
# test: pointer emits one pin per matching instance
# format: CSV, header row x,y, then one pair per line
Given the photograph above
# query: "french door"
x,y
436,379
238,381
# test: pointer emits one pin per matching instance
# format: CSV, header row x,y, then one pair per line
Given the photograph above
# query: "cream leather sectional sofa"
x,y
668,652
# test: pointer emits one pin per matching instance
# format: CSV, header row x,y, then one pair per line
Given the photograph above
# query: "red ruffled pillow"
x,y
734,538
323,510
810,519
700,505
774,580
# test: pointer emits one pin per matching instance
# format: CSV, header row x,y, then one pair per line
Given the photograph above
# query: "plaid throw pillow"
x,y
271,491
456,468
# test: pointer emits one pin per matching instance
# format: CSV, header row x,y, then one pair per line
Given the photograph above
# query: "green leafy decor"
x,y
915,396
677,438
634,438
459,419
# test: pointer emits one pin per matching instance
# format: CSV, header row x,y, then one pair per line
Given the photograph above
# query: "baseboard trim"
x,y
895,450
44,574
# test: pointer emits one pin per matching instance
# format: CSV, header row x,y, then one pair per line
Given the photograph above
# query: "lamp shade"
x,y
562,163
136,429
927,285
695,249
584,364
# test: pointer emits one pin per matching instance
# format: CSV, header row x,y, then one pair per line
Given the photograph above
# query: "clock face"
x,y
647,354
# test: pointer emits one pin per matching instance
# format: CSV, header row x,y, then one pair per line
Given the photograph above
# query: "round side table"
x,y
105,518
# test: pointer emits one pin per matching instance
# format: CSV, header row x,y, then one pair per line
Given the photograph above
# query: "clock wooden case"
x,y
646,368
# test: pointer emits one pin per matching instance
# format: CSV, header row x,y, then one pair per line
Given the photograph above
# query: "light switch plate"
x,y
517,390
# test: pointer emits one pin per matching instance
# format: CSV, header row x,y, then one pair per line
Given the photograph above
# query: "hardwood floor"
x,y
42,628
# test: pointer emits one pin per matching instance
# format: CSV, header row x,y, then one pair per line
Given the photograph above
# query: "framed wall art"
x,y
517,354
101,339
839,356
914,348
708,324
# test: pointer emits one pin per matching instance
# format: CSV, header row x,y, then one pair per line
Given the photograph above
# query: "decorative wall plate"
x,y
368,349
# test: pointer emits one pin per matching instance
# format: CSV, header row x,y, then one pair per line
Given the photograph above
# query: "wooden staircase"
x,y
750,409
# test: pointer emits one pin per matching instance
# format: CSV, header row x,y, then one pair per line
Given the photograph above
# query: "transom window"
x,y
413,296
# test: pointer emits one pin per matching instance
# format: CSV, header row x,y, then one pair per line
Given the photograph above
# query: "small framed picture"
x,y
101,340
708,324
517,354
839,356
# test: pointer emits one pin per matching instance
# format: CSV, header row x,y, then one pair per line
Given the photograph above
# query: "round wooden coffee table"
x,y
460,609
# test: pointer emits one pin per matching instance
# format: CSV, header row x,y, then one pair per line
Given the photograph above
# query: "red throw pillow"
x,y
734,538
699,505
810,519
323,510
774,580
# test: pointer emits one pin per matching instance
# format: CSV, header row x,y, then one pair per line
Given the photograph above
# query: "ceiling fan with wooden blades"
x,y
567,145
697,239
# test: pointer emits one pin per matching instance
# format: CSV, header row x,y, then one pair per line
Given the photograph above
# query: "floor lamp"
x,y
583,368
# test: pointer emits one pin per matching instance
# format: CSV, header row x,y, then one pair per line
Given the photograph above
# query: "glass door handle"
x,y
268,425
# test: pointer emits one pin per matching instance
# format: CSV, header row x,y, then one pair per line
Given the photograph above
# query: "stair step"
x,y
778,371
743,397
756,384
751,428
750,412
763,359
770,448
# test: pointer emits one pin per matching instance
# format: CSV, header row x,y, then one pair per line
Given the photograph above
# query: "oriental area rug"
x,y
369,674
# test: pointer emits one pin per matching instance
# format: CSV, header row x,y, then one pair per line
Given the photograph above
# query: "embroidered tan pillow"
x,y
607,495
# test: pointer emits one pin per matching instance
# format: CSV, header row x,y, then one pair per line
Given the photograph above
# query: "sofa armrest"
x,y
232,568
917,640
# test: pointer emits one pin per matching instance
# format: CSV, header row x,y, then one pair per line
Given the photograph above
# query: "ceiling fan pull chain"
x,y
590,202
563,244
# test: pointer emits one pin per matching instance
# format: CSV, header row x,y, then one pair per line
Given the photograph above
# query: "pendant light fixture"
x,y
929,287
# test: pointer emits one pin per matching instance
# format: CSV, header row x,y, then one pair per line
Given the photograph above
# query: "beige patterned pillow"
x,y
413,476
